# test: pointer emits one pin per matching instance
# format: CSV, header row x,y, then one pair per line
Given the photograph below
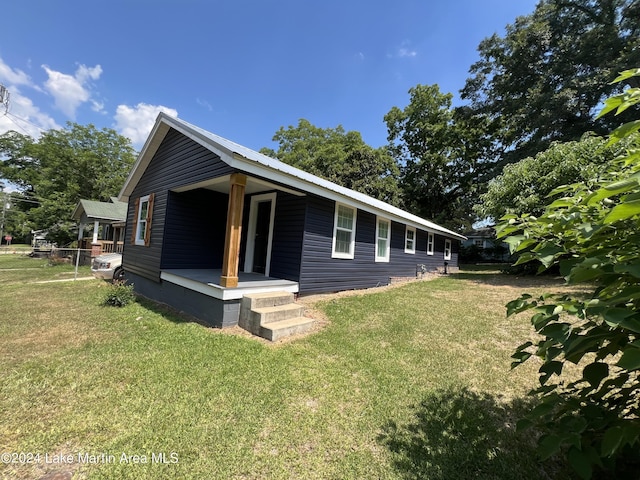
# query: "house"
x,y
108,222
482,245
210,222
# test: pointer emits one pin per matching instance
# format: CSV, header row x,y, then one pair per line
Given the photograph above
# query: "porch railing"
x,y
106,246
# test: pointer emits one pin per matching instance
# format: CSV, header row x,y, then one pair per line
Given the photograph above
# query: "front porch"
x,y
205,281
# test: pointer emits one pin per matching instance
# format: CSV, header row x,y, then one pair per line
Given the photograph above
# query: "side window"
x,y
410,240
344,232
142,220
383,236
430,242
447,249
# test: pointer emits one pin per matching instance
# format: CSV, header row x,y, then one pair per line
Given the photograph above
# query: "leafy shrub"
x,y
592,234
119,294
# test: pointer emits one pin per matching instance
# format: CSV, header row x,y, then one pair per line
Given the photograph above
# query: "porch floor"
x,y
204,281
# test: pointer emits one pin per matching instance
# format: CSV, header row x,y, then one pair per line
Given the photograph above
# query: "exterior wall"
x,y
321,273
179,161
288,234
194,230
209,310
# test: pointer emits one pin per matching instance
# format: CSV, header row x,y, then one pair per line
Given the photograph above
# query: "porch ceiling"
x,y
254,185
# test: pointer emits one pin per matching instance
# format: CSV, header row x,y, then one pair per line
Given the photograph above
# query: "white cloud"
x,y
71,91
24,117
14,77
204,103
405,50
137,122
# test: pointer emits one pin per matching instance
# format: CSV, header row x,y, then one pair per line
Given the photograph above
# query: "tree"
x,y
441,151
62,167
523,186
544,80
339,156
592,233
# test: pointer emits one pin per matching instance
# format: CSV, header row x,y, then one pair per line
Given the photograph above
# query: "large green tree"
x,y
442,152
62,167
544,80
523,186
339,156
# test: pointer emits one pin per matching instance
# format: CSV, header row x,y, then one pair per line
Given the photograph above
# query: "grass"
x,y
21,268
409,382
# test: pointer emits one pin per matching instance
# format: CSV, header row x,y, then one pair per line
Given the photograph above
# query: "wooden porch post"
x,y
230,261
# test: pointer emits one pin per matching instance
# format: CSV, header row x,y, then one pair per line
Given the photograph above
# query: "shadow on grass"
x,y
504,280
456,433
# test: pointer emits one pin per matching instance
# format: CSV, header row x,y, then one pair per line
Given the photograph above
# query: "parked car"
x,y
108,267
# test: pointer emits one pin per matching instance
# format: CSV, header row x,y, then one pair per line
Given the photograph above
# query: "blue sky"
x,y
240,69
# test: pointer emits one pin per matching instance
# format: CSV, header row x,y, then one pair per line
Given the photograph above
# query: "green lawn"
x,y
17,267
409,382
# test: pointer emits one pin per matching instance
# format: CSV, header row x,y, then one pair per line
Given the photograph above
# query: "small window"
x,y
142,220
479,243
430,244
410,240
383,234
344,232
447,249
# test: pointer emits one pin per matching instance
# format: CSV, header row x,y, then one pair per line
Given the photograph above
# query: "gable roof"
x,y
114,211
252,162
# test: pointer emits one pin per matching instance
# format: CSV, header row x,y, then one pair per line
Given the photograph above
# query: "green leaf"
x,y
610,104
626,74
523,424
633,269
623,317
611,441
623,211
631,433
548,445
580,463
623,131
630,359
595,372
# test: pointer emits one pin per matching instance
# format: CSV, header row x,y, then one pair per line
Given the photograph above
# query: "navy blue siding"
x,y
288,233
178,161
194,230
321,273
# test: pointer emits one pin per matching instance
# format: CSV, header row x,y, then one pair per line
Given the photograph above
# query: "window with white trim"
x,y
430,242
410,240
344,232
142,220
447,249
383,237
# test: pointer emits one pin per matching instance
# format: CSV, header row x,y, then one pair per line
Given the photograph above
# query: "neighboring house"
x,y
107,220
210,221
487,246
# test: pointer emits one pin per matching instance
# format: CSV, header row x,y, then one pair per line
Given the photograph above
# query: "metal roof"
x,y
250,161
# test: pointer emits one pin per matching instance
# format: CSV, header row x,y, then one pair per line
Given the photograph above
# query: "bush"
x,y
592,234
119,295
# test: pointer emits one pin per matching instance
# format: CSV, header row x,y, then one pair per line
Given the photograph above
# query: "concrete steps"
x,y
273,315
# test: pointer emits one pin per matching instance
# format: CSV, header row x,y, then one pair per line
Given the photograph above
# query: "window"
x,y
344,232
410,240
447,249
430,244
479,242
142,220
383,234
